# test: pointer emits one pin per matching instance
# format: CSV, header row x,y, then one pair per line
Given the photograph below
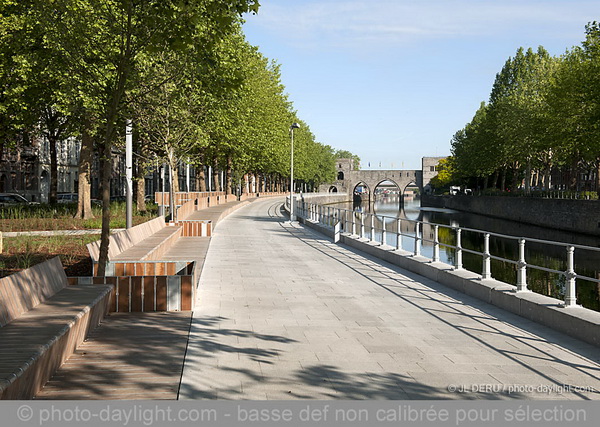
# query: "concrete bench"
x,y
144,242
42,321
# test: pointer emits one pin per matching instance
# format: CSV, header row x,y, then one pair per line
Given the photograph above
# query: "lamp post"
x,y
292,215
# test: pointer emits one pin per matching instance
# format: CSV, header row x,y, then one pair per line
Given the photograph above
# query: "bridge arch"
x,y
388,193
361,191
390,180
361,187
409,195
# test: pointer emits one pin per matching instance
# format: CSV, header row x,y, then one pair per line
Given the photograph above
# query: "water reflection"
x,y
392,212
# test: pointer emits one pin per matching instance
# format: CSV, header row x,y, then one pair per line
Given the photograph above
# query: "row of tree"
x,y
543,114
195,89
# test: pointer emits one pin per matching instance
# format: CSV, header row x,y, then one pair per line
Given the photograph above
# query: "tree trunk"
x,y
53,170
172,184
528,177
514,182
200,179
140,186
597,183
86,154
503,180
139,190
117,92
573,173
215,174
228,172
494,179
106,166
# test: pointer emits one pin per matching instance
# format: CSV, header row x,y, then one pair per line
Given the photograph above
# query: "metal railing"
x,y
357,224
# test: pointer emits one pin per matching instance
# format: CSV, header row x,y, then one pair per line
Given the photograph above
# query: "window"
x,y
340,176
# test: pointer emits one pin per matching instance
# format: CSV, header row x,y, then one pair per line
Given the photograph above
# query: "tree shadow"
x,y
141,356
451,302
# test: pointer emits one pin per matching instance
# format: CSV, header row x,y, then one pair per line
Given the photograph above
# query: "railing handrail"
x,y
317,212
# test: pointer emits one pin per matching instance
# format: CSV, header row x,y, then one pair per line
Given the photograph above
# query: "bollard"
x,y
417,241
522,268
458,262
336,232
362,225
372,237
383,232
436,244
399,240
487,258
570,294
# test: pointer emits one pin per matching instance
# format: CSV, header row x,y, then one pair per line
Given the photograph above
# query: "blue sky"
x,y
393,80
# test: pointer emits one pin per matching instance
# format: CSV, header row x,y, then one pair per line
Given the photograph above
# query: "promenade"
x,y
284,313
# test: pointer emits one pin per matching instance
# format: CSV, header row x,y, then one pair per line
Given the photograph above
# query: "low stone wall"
x,y
579,216
324,198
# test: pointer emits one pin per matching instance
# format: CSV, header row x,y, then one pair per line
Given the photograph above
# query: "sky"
x,y
393,80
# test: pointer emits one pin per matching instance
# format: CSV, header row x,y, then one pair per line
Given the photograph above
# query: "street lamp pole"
x,y
292,215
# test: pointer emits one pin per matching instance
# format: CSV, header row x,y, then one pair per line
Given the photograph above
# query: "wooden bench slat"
x,y
43,320
142,248
26,289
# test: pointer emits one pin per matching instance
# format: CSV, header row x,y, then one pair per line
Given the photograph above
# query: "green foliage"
x,y
543,113
446,175
196,90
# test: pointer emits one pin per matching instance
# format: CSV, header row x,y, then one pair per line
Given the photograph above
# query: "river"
x,y
587,263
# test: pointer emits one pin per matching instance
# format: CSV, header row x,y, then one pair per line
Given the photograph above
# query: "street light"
x,y
292,127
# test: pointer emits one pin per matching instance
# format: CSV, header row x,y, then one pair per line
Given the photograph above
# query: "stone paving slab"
x,y
131,356
285,314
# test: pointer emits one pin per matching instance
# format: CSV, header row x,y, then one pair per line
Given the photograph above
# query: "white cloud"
x,y
348,23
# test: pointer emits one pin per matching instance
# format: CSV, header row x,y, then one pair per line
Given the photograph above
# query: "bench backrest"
x,y
22,291
125,239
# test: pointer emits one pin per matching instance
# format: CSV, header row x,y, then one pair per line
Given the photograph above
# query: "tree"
x,y
102,42
446,174
575,103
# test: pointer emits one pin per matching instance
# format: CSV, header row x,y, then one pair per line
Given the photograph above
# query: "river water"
x,y
587,263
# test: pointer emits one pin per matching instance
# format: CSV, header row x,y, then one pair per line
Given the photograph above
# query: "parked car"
x,y
67,197
14,199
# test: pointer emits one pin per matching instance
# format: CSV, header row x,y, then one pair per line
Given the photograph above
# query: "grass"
x,y
25,251
60,217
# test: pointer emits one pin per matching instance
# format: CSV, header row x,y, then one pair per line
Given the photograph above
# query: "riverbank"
x,y
578,216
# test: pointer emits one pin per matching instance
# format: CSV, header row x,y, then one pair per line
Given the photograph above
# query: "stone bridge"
x,y
348,178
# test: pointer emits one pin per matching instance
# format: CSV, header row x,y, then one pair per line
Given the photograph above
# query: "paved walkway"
x,y
285,314
133,355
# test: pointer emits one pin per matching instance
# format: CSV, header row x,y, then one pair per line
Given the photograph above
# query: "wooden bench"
x,y
144,242
42,321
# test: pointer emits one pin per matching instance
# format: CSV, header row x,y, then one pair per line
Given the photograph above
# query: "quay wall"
x,y
579,216
324,198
